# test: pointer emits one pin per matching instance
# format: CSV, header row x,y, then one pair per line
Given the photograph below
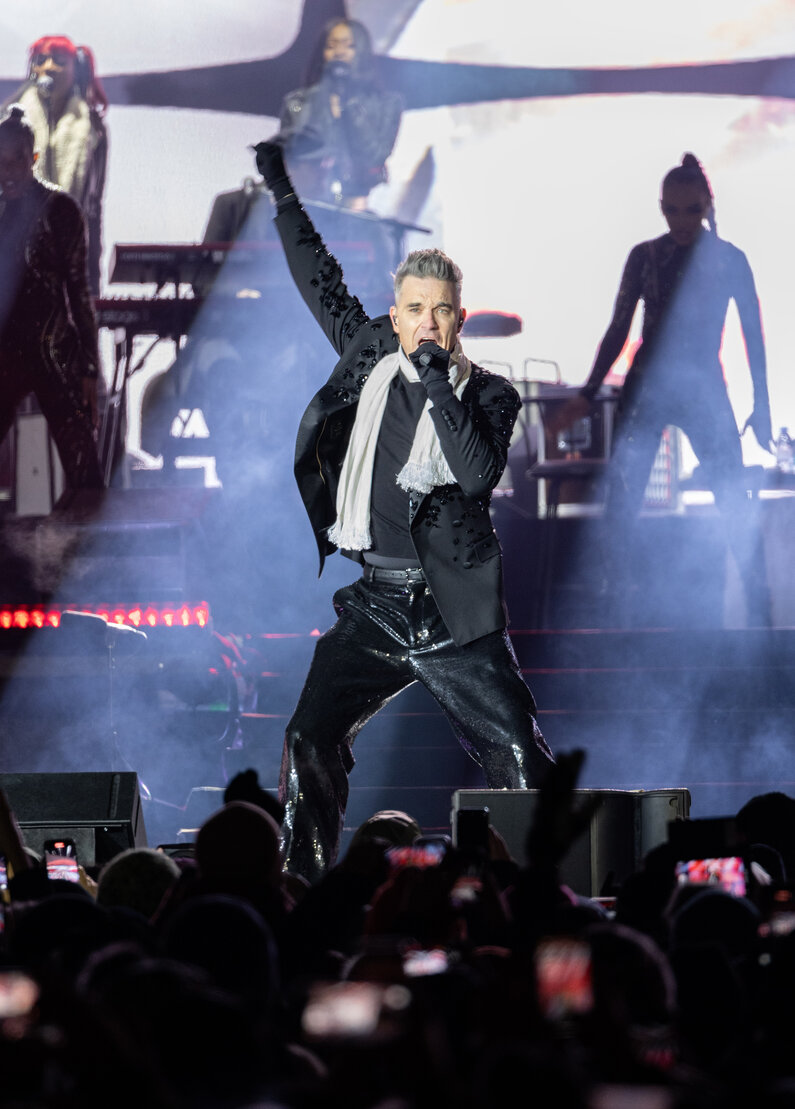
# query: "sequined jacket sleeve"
x,y
630,292
475,432
319,278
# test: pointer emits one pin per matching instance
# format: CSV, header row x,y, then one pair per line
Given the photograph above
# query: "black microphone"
x,y
426,359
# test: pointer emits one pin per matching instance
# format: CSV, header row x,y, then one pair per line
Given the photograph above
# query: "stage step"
x,y
709,711
653,708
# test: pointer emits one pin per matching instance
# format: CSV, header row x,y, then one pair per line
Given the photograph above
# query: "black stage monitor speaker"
x,y
625,827
100,811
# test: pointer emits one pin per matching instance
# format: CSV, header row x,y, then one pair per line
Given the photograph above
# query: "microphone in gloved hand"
x,y
432,364
430,355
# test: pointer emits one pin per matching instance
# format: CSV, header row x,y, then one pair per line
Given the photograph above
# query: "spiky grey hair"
x,y
431,262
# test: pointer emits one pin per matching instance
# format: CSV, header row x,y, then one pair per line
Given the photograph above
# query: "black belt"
x,y
402,577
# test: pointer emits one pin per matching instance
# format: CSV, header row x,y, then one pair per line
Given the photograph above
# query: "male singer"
x,y
396,458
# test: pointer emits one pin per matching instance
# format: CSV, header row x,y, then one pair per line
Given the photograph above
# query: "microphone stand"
x,y
89,631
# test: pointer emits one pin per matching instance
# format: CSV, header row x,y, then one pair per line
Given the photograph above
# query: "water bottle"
x,y
785,452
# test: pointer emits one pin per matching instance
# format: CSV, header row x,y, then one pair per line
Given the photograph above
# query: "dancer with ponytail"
x,y
686,279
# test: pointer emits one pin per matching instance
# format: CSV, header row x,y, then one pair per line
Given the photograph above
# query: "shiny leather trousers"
x,y
385,638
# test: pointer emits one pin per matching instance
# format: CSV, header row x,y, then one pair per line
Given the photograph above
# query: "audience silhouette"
x,y
402,977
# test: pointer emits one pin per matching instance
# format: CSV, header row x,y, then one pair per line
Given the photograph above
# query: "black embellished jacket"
x,y
450,526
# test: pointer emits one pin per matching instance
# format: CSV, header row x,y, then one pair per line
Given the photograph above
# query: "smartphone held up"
x,y
60,857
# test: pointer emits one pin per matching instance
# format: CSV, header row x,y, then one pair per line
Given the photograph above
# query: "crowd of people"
x,y
211,978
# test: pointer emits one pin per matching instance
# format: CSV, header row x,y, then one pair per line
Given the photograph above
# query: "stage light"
x,y
134,616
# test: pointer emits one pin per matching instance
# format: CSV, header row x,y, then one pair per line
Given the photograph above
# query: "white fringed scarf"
x,y
426,466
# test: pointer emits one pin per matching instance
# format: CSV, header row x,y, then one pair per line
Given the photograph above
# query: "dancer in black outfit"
x,y
686,279
48,330
396,459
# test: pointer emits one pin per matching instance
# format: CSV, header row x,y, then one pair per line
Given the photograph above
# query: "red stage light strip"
x,y
138,616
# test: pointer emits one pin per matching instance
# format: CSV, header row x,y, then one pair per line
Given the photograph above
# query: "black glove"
x,y
432,363
270,163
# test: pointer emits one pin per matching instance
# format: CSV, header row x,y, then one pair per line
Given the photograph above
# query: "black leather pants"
x,y
385,638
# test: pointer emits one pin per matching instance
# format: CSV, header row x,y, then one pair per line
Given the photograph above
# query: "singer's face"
x,y
59,66
427,310
16,167
340,46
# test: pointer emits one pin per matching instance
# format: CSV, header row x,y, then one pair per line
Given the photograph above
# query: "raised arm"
x,y
316,272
